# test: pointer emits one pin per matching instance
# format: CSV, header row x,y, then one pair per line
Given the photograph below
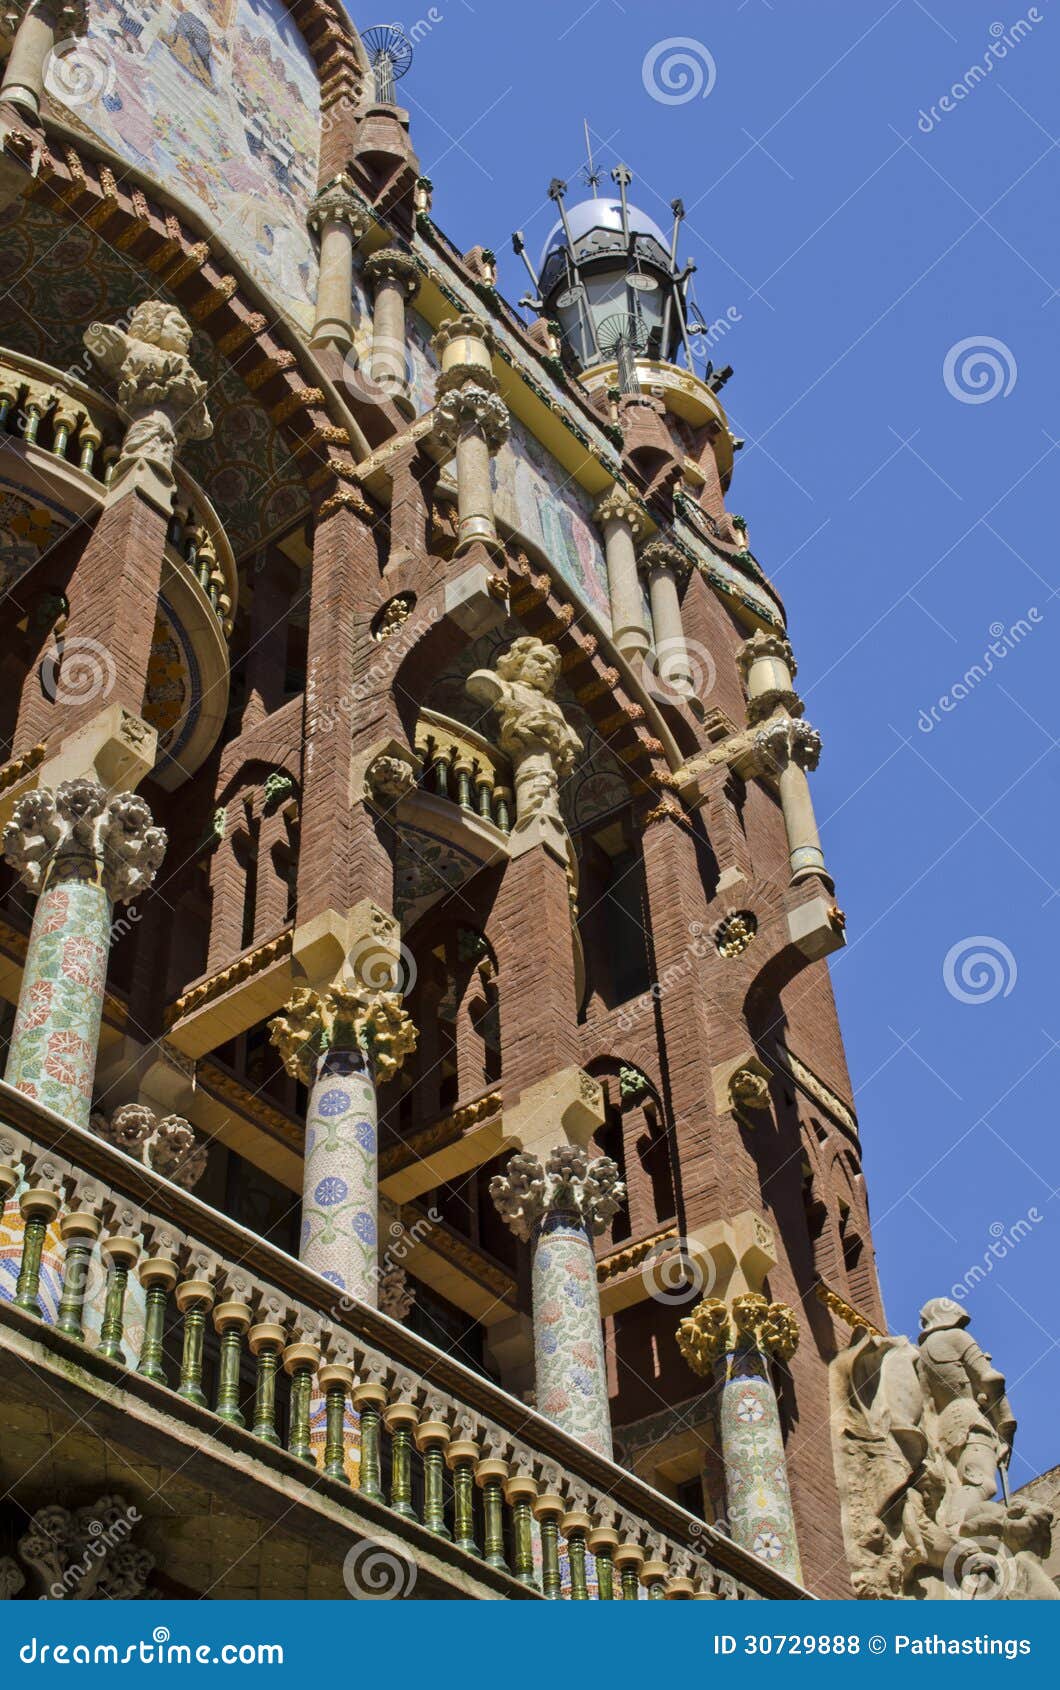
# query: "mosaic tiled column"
x,y
558,1207
81,852
732,1343
340,1042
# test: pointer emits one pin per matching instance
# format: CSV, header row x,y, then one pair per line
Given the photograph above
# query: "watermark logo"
x,y
80,71
380,967
1003,1240
673,1275
677,70
979,1569
681,667
979,969
78,671
978,369
378,373
379,1570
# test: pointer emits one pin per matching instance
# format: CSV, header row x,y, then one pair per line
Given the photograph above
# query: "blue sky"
x,y
897,486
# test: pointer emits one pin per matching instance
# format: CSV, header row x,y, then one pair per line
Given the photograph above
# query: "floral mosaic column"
x,y
81,852
732,1344
558,1207
340,1042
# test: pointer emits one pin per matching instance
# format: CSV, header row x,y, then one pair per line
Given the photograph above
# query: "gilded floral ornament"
x,y
749,1322
342,1018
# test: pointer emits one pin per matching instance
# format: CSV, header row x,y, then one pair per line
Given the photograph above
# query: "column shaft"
x,y
569,1368
627,604
674,668
340,1179
804,841
756,1474
334,309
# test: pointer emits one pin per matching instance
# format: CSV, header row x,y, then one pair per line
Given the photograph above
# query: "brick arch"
x,y
77,184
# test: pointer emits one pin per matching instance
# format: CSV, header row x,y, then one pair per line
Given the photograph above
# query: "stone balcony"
x,y
319,1424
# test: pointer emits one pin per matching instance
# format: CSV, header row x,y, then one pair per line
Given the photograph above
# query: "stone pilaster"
x,y
732,1343
40,24
339,1043
395,278
665,567
340,220
81,852
470,420
620,518
558,1206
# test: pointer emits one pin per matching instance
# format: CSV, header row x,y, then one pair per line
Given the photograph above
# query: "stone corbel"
x,y
569,1101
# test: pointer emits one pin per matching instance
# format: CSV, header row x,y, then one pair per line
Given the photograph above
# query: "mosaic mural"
x,y
27,529
65,275
219,100
425,869
173,697
537,497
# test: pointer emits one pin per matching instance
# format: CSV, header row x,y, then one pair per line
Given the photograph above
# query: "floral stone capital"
x,y
569,1180
78,820
749,1322
342,1018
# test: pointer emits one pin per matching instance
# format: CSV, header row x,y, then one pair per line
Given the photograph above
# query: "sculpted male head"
x,y
160,325
531,663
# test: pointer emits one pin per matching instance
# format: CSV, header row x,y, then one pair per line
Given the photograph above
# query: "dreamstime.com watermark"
x,y
1005,39
379,1570
1004,1239
1002,641
403,1240
160,1651
642,1008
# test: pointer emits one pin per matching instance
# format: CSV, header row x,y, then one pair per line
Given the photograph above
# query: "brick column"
x,y
81,852
558,1207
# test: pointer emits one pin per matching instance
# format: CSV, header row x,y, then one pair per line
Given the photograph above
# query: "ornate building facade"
x,y
427,1147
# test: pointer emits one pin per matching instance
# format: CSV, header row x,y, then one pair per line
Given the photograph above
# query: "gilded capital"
x,y
55,834
568,1181
342,1018
749,1322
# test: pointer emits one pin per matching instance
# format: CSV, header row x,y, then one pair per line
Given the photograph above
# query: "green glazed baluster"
x,y
520,1496
491,1475
119,1254
265,1340
461,1459
605,1576
194,1299
368,1400
39,1209
336,1381
231,1320
301,1362
431,1439
79,1232
579,1590
158,1276
551,1586
400,1419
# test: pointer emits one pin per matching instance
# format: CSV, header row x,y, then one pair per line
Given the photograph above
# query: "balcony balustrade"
x,y
431,1445
462,766
60,417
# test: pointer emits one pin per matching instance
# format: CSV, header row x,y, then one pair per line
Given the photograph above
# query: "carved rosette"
x,y
470,410
785,740
390,264
56,835
716,1329
169,1146
389,778
337,203
342,1018
86,1553
569,1182
396,1295
749,1090
617,505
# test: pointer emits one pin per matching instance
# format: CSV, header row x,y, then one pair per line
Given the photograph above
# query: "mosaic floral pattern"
x,y
340,1190
756,1475
218,99
53,1258
56,1032
27,529
568,1337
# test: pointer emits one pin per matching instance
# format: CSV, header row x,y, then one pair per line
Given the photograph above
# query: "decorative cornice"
x,y
439,1135
846,1312
814,1087
13,772
234,975
632,1255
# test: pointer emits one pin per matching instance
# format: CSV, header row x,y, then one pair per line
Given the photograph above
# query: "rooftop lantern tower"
x,y
390,55
611,280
